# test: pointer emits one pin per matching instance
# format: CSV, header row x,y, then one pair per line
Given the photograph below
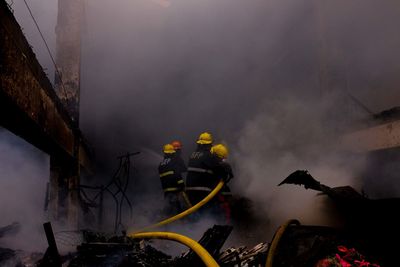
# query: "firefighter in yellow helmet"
x,y
224,198
200,180
170,171
220,151
205,170
205,139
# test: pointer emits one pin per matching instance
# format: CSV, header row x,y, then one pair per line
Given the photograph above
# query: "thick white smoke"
x,y
24,172
248,71
292,135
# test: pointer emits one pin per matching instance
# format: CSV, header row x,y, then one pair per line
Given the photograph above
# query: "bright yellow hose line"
x,y
188,211
196,247
275,241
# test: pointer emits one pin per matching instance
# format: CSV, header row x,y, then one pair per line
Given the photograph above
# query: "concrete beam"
x,y
379,137
29,107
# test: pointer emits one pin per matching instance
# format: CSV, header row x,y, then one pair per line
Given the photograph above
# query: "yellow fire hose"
x,y
196,247
188,211
275,241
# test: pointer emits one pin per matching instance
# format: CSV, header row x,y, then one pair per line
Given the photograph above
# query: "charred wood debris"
x,y
98,249
369,237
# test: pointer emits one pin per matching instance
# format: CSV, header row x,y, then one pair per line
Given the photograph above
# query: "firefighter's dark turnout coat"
x,y
170,171
205,170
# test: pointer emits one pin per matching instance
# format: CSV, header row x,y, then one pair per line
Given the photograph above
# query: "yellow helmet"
x,y
205,138
168,149
220,150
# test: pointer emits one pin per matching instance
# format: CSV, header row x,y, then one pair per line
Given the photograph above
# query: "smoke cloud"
x,y
269,78
24,172
290,135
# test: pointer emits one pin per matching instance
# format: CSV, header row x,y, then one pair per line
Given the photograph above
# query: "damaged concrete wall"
x,y
31,109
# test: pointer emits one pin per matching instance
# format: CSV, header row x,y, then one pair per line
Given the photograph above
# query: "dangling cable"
x,y
48,50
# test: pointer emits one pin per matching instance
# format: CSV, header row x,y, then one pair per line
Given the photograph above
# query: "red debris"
x,y
346,257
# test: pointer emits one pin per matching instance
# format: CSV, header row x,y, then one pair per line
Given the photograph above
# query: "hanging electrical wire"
x,y
117,188
49,52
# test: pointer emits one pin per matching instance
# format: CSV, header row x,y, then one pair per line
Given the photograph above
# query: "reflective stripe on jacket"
x,y
202,166
170,172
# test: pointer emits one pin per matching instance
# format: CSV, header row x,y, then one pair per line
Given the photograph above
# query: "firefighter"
x,y
177,146
200,179
178,154
205,170
182,168
170,171
224,198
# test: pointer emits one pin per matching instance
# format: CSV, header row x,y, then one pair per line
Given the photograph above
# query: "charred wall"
x,y
30,108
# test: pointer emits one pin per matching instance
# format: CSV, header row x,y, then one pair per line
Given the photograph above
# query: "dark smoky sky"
x,y
248,71
151,74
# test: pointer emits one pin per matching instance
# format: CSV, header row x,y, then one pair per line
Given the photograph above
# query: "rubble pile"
x,y
98,249
242,256
362,241
17,258
346,257
370,224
